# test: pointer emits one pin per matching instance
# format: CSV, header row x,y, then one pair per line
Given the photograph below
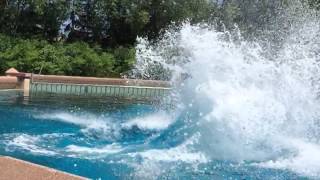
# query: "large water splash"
x,y
248,102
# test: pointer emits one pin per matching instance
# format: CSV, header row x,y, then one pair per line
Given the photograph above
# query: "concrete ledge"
x,y
88,86
11,168
7,82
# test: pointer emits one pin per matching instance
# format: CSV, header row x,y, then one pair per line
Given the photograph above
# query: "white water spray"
x,y
249,107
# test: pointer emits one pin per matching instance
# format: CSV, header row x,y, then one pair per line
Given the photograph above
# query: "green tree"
x,y
32,18
58,58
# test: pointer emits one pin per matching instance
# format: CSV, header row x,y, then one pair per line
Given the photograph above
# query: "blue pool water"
x,y
103,139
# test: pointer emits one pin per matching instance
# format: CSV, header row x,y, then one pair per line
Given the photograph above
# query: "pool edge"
x,y
12,168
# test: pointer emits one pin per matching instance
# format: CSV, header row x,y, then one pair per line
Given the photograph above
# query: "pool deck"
x,y
11,168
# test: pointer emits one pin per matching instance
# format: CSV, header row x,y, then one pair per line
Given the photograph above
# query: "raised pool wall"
x,y
7,82
33,84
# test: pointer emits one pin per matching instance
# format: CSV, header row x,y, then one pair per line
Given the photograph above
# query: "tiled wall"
x,y
132,92
98,81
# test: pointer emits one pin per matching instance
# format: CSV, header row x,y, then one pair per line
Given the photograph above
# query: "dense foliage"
x,y
64,59
109,22
85,37
96,37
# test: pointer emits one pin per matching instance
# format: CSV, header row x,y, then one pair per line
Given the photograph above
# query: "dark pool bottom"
x,y
100,139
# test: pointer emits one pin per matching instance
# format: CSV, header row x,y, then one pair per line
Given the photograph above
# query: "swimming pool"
x,y
104,139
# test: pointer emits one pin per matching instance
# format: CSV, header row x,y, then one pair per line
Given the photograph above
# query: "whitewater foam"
x,y
28,143
93,152
82,119
247,105
303,158
183,152
92,125
156,121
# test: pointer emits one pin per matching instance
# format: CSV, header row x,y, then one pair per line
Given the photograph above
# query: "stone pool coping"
x,y
9,90
8,82
85,86
12,168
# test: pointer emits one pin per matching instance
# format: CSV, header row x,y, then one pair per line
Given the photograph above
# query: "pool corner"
x,y
12,168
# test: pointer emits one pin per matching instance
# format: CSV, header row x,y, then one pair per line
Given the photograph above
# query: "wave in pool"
x,y
242,110
246,106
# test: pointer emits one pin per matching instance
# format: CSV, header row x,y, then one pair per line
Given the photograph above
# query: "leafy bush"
x,y
77,58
